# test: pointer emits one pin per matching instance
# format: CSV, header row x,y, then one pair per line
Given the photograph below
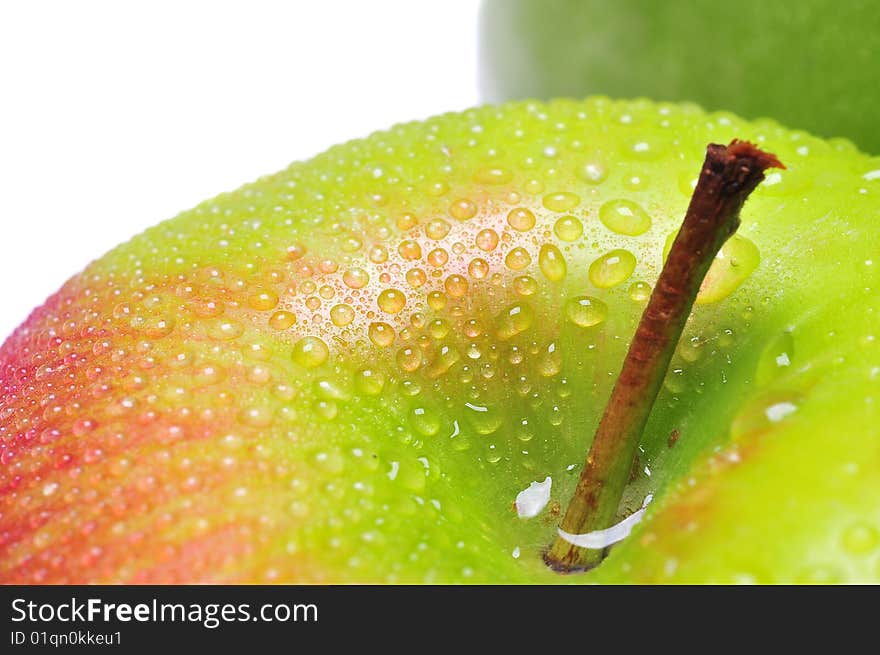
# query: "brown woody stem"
x,y
730,173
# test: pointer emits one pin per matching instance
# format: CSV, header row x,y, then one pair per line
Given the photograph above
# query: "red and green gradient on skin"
x,y
345,372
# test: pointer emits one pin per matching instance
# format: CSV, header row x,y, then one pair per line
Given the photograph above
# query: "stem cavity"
x,y
729,174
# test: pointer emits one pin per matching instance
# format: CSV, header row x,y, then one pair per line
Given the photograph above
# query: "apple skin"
x,y
811,64
163,419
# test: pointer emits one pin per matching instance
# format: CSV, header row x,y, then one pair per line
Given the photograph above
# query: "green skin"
x,y
811,64
291,466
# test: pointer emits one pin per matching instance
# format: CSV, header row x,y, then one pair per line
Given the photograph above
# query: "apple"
x,y
386,365
809,64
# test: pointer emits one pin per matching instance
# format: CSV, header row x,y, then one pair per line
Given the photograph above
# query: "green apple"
x,y
385,365
810,64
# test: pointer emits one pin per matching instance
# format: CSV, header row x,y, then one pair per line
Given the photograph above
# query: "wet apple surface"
x,y
349,370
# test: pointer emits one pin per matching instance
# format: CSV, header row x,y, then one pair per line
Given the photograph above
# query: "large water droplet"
x,y
484,419
585,311
341,315
487,240
444,360
456,286
438,257
391,301
478,268
568,228
425,421
409,359
624,217
612,268
462,209
355,278
381,334
518,259
514,320
282,320
493,175
552,263
310,352
525,285
521,219
736,260
561,201
263,300
410,250
550,362
225,330
370,381
437,229
592,172
416,277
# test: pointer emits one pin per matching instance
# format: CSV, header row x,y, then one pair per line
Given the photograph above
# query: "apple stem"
x,y
730,173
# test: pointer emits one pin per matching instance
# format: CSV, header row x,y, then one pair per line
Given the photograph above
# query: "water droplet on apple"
x,y
514,320
225,329
612,268
438,328
561,201
281,320
585,311
416,277
369,381
691,349
263,300
493,175
568,228
409,359
487,240
592,172
737,259
444,360
333,389
550,362
484,419
310,352
478,268
640,291
776,359
525,285
624,217
381,334
341,315
438,257
355,278
456,286
425,421
462,209
436,229
552,263
391,301
410,250
517,259
521,219
436,300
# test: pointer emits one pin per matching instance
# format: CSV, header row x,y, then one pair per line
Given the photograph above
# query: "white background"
x,y
116,115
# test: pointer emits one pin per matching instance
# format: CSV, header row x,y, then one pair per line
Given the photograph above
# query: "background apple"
x,y
809,64
349,370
